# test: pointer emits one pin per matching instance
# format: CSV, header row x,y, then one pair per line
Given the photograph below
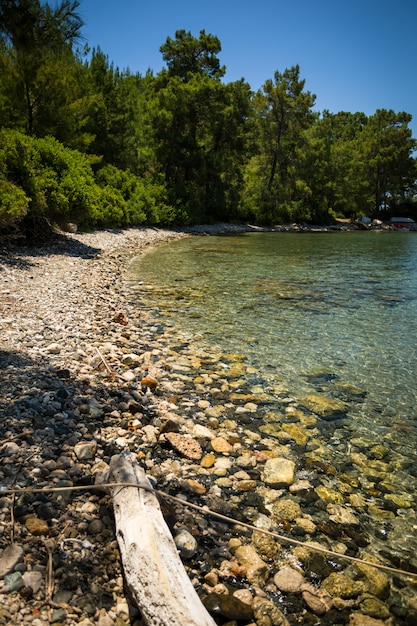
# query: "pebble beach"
x,y
87,373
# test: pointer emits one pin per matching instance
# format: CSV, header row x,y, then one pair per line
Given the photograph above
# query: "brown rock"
x,y
228,606
149,382
246,485
220,444
289,580
324,406
196,487
185,445
359,619
318,600
286,510
266,613
121,318
211,578
341,586
257,571
36,526
208,460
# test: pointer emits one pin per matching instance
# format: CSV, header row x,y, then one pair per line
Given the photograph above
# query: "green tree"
x,y
116,117
187,56
198,127
332,166
34,38
282,111
388,149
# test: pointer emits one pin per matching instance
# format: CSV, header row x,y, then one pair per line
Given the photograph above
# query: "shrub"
x,y
14,204
140,199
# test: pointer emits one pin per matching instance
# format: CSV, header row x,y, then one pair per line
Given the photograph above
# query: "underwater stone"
x,y
278,472
341,586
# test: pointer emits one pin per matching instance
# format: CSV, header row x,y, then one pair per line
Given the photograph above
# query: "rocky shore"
x,y
86,373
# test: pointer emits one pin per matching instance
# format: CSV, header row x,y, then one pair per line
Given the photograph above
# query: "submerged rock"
x,y
278,472
375,580
289,580
186,543
257,571
324,407
286,510
266,613
341,586
227,605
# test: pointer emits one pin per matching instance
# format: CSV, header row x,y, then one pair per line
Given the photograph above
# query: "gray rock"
x,y
33,580
186,543
10,449
58,616
14,581
129,376
63,596
12,555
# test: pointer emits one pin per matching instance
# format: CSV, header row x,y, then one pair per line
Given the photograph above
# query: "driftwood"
x,y
153,570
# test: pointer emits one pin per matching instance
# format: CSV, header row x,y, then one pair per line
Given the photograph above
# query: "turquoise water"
x,y
322,313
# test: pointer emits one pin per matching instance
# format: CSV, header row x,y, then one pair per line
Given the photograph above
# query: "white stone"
x,y
85,450
128,376
278,472
10,448
202,432
186,543
53,348
33,580
289,580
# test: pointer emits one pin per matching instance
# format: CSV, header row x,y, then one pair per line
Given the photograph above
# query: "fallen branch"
x,y
153,569
18,436
104,365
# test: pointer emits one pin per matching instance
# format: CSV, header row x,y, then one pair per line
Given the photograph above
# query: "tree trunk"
x,y
153,570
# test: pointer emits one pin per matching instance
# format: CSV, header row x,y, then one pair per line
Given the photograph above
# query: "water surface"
x,y
294,303
327,313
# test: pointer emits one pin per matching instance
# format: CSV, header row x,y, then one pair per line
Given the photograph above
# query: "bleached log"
x,y
153,569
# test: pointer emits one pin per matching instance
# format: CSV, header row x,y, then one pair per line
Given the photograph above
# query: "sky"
x,y
354,55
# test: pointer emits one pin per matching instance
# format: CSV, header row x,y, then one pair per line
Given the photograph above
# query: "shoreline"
x,y
65,413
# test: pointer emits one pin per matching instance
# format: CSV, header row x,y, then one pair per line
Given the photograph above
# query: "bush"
x,y
44,182
66,181
14,204
140,200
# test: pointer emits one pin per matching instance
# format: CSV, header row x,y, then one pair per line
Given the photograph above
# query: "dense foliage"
x,y
82,141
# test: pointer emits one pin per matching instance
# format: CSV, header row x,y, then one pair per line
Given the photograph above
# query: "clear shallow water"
x,y
345,303
318,313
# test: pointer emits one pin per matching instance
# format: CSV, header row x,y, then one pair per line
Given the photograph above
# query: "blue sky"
x,y
355,55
